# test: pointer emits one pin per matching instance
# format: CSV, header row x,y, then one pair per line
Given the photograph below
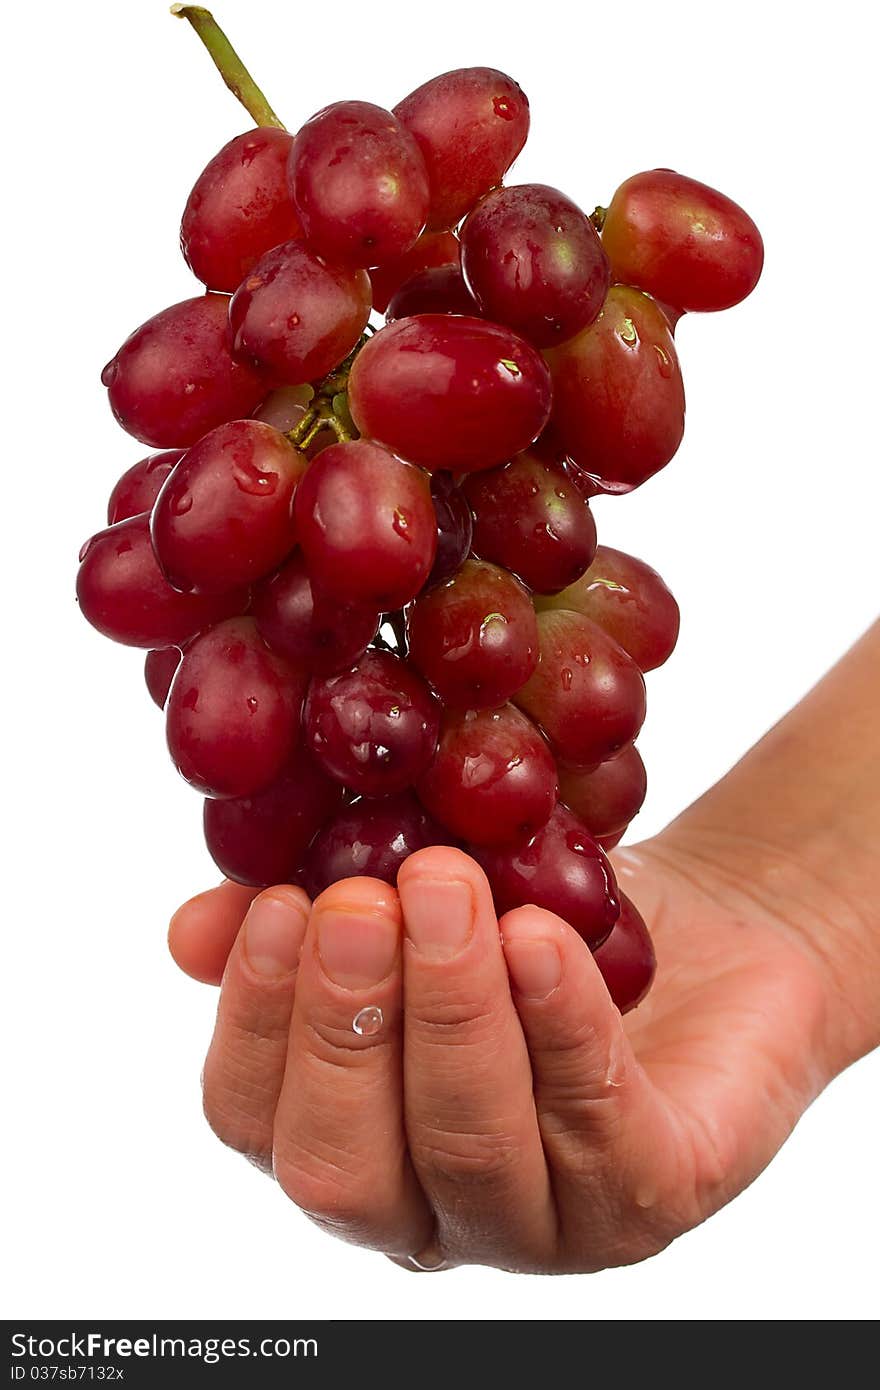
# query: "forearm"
x,y
798,819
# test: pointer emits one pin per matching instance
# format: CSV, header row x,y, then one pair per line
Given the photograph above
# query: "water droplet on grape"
x,y
663,362
607,584
627,333
255,482
566,678
502,108
491,618
181,503
367,1022
253,704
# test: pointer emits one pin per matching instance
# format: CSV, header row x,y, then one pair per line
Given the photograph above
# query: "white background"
x,y
765,525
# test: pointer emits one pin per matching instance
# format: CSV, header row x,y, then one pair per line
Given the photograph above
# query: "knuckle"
x,y
337,1044
451,1019
469,1159
240,1083
239,1098
235,1127
323,1185
256,1043
584,1069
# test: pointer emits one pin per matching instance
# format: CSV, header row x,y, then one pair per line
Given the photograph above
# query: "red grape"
x,y
532,518
685,243
239,208
449,391
474,636
262,839
470,125
626,958
375,727
493,779
410,637
609,842
366,525
284,407
630,601
586,693
312,631
562,870
233,711
370,838
225,515
298,316
140,485
534,261
454,526
618,398
671,314
431,249
549,448
439,290
159,668
124,594
609,796
175,378
359,184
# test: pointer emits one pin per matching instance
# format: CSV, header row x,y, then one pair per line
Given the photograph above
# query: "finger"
x,y
340,1147
202,931
244,1068
600,1117
470,1115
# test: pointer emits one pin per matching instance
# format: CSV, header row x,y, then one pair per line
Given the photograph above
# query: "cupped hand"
x,y
447,1088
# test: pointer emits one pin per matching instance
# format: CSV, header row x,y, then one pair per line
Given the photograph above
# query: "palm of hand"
x,y
730,1037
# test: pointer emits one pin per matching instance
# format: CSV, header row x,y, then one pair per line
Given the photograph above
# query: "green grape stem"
x,y
329,406
229,65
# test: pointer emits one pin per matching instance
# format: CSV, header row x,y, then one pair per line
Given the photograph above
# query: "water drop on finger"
x,y
368,1021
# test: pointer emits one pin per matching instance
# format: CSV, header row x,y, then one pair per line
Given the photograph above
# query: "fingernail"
x,y
439,916
535,966
357,949
273,935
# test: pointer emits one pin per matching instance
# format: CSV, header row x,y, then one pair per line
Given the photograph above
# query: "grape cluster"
x,y
363,561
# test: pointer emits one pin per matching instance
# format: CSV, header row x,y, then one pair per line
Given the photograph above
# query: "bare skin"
x,y
503,1113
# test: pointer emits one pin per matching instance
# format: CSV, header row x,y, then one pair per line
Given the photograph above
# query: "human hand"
x,y
503,1113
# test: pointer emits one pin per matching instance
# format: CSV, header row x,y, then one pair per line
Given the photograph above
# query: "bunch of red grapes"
x,y
364,563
